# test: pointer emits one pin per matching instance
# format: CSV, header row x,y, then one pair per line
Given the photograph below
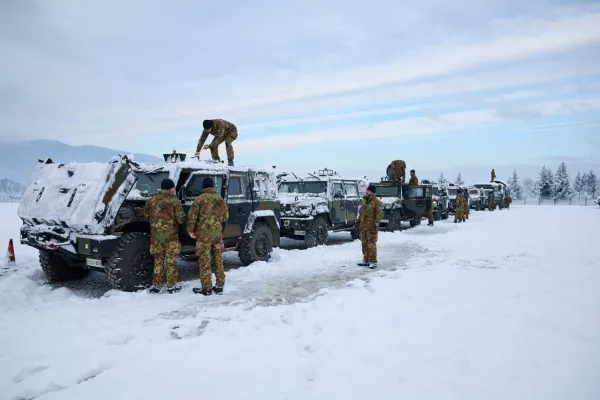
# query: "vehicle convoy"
x,y
478,199
83,216
499,189
402,202
312,206
439,194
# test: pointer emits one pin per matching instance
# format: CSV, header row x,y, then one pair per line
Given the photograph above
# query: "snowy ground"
x,y
502,307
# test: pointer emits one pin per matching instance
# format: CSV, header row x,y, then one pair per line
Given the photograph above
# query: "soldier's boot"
x,y
363,264
230,163
373,265
217,290
173,289
203,291
430,224
154,289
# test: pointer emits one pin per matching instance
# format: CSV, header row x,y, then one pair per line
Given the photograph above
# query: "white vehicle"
x,y
499,189
478,199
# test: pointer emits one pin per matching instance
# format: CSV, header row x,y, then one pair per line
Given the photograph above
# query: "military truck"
x,y
313,205
402,202
439,194
84,216
452,192
499,189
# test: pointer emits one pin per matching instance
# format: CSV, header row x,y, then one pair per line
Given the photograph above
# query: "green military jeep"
x,y
312,206
403,202
84,216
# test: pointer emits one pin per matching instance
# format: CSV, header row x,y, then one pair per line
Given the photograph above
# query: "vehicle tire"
x,y
131,266
415,221
395,222
318,233
446,214
57,268
257,245
439,214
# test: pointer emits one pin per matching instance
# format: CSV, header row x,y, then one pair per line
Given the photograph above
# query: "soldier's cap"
x,y
167,184
412,170
208,183
207,124
372,189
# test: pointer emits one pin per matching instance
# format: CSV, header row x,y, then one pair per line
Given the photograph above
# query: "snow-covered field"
x,y
505,306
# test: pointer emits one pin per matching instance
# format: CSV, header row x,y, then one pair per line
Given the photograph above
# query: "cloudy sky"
x,y
462,85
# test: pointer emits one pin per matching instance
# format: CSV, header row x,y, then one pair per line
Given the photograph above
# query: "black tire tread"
x,y
310,239
112,269
245,250
56,268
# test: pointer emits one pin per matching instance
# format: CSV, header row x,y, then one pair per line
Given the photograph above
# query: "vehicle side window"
x,y
351,189
337,188
194,188
235,187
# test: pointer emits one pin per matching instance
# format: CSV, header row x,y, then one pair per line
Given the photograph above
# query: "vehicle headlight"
x,y
387,207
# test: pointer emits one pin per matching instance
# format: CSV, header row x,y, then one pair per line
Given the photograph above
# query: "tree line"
x,y
549,185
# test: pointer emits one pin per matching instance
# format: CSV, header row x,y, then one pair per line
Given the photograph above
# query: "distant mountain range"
x,y
18,159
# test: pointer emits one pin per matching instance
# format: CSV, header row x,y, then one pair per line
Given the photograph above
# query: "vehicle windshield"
x,y
484,186
475,192
414,192
305,187
435,191
149,183
386,191
452,192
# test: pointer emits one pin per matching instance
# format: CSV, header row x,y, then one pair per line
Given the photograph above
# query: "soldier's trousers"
x,y
491,205
369,245
204,251
160,251
458,214
214,146
467,211
430,215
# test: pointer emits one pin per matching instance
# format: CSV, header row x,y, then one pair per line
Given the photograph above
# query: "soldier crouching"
x,y
371,213
165,214
205,224
398,168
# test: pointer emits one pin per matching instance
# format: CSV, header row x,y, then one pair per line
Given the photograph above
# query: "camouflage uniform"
x,y
466,208
398,170
430,212
493,175
491,205
508,200
206,218
413,180
371,213
165,214
223,131
460,208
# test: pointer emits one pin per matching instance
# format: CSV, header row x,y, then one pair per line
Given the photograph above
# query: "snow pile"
x,y
455,311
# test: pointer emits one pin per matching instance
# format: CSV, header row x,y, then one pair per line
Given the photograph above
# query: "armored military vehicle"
x,y
439,194
452,192
84,216
312,206
402,202
478,199
499,189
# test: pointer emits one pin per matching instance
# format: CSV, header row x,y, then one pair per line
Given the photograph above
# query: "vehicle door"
x,y
192,189
337,203
238,205
414,200
352,201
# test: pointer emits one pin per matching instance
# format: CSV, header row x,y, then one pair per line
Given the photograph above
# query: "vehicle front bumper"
x,y
295,226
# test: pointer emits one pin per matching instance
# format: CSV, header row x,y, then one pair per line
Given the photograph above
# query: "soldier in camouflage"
x,y
507,200
429,204
223,131
460,207
371,213
491,205
466,206
165,214
398,170
413,178
206,220
493,175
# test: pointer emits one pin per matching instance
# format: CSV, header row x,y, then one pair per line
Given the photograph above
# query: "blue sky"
x,y
460,86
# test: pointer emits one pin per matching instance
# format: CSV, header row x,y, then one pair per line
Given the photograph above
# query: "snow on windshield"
x,y
303,187
452,192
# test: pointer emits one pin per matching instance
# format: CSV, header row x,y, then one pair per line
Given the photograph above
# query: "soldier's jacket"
x,y
413,180
207,215
460,201
371,213
220,130
397,164
165,214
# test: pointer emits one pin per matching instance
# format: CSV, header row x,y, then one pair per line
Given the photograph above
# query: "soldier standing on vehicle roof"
x,y
205,224
165,214
223,131
371,213
493,175
398,170
413,178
